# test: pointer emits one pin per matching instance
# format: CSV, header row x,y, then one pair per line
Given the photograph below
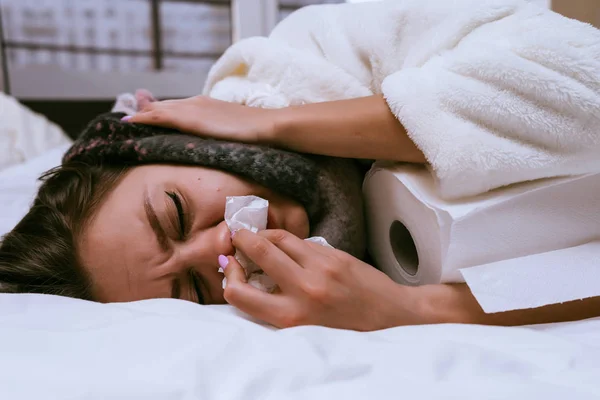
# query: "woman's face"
x,y
159,232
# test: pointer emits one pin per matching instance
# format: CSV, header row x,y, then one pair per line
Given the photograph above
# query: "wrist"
x,y
449,304
280,124
410,305
429,304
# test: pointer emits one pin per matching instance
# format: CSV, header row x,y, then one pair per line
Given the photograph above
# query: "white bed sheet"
x,y
59,348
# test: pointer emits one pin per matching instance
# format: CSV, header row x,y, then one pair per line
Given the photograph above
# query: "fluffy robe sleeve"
x,y
493,92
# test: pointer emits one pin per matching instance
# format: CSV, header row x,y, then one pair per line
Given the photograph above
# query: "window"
x,y
90,49
286,7
115,35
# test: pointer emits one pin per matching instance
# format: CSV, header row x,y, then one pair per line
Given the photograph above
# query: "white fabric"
x,y
126,103
25,134
493,92
59,348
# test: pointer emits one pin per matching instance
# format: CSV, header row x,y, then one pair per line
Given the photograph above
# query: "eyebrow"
x,y
160,233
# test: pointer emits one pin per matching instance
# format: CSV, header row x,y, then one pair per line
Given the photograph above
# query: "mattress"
x,y
59,348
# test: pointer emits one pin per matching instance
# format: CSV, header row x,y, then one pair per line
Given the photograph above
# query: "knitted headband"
x,y
328,188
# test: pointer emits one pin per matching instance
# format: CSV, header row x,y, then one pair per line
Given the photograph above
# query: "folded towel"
x,y
493,92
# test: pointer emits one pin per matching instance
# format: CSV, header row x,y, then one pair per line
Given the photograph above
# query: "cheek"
x,y
210,202
210,192
297,222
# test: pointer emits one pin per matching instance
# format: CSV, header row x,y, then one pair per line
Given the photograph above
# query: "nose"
x,y
204,247
201,253
222,240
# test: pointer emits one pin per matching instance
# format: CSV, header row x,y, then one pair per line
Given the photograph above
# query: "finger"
x,y
278,265
301,251
155,115
324,250
264,306
144,98
232,269
146,105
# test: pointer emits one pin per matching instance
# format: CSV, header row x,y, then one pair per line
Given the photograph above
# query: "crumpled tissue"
x,y
251,213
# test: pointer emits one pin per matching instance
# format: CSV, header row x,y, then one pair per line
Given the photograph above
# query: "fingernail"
x,y
233,234
126,118
223,261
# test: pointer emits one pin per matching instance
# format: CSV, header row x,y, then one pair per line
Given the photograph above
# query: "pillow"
x,y
25,134
19,185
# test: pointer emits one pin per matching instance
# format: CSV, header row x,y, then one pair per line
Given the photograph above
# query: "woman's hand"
x,y
204,116
354,128
317,286
327,287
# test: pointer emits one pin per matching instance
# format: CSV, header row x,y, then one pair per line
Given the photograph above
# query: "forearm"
x,y
454,303
362,128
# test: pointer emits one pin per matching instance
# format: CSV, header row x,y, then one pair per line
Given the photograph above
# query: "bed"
x,y
59,348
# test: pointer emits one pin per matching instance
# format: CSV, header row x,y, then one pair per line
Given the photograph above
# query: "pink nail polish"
x,y
126,118
233,234
223,261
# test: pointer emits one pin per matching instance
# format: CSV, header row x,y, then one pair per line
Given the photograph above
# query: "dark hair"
x,y
40,254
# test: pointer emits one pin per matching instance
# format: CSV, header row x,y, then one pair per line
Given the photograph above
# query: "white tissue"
x,y
319,240
246,212
251,213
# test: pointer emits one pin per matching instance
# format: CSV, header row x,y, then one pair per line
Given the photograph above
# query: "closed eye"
x,y
180,213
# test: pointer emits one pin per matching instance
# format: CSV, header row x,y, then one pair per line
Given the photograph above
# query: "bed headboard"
x,y
72,116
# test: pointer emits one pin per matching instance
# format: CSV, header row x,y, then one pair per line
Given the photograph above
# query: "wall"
x,y
583,10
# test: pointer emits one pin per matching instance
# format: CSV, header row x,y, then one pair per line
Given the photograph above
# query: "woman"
x,y
363,115
322,286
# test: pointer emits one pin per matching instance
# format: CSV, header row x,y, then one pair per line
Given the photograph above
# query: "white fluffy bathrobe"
x,y
492,91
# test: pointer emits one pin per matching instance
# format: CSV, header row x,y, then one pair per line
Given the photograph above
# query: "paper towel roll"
x,y
417,238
